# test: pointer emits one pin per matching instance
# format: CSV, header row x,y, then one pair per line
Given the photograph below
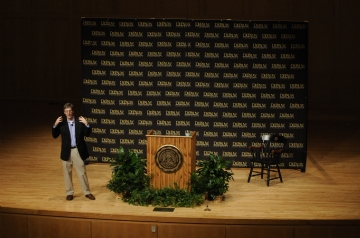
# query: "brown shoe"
x,y
90,196
69,197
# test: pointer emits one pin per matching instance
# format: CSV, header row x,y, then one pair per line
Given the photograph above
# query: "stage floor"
x,y
329,190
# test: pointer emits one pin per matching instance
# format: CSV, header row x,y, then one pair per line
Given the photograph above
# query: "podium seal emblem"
x,y
168,158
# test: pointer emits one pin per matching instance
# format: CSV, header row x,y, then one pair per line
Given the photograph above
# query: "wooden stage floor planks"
x,y
31,180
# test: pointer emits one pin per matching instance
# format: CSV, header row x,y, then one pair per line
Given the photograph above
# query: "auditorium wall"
x,y
230,81
41,55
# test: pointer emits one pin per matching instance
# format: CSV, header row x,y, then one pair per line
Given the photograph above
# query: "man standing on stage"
x,y
73,149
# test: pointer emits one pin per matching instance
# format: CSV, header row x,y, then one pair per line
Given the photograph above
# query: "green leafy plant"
x,y
212,177
128,173
165,197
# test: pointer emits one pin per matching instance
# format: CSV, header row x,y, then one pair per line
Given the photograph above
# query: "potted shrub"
x,y
128,173
212,177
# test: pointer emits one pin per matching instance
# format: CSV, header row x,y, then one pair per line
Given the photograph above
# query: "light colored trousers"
x,y
76,161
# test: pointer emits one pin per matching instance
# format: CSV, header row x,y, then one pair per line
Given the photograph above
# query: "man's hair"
x,y
67,105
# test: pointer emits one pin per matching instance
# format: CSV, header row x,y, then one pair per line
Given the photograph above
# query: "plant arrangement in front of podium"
x,y
130,181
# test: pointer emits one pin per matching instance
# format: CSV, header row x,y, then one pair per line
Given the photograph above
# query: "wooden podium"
x,y
163,159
